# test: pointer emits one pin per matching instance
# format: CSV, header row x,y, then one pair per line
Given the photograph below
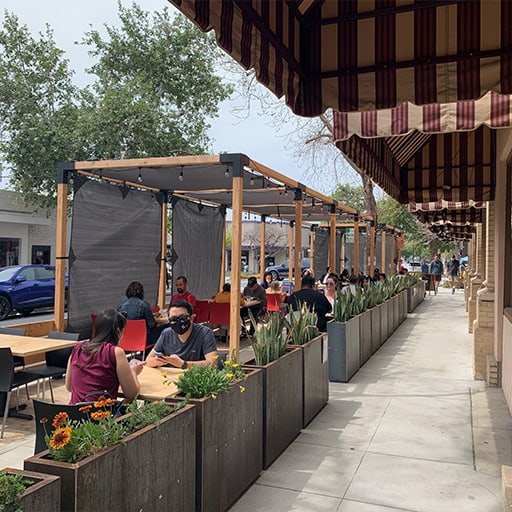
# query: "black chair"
x,y
9,380
49,410
18,361
56,361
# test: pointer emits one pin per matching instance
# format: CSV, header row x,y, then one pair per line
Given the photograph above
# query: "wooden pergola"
x,y
230,180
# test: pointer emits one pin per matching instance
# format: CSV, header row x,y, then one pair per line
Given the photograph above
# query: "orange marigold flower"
x,y
110,401
60,419
99,415
85,408
100,403
60,438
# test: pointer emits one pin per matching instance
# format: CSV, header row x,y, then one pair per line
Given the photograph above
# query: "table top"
x,y
24,346
152,385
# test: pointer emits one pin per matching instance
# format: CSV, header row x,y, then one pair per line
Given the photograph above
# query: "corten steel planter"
x,y
397,312
403,296
281,402
153,469
315,377
385,319
344,350
376,328
42,495
228,444
365,336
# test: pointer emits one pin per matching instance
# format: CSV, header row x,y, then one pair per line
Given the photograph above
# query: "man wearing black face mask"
x,y
184,343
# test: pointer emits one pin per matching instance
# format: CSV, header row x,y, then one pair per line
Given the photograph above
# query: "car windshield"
x,y
6,273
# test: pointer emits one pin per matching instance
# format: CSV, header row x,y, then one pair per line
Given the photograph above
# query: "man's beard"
x,y
180,290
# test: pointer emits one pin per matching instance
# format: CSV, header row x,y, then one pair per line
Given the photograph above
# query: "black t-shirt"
x,y
316,302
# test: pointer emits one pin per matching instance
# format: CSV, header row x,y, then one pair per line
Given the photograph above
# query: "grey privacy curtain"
x,y
197,232
321,252
115,239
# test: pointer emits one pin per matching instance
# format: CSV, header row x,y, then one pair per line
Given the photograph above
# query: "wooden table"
x,y
152,385
24,346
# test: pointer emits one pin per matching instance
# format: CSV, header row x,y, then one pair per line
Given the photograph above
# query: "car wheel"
x,y
26,311
5,308
275,275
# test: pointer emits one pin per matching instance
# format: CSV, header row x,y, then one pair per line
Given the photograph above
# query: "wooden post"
x,y
163,251
60,245
356,246
290,252
262,246
236,263
372,248
342,251
297,264
383,251
392,256
332,238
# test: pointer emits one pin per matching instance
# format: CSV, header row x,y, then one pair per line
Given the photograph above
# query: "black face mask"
x,y
180,325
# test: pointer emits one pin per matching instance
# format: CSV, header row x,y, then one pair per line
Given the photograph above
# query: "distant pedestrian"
x,y
452,271
436,269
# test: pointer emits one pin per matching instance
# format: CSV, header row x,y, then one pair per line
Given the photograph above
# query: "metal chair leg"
x,y
6,412
51,389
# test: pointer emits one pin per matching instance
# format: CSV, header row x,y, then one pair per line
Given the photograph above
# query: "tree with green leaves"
x,y
155,87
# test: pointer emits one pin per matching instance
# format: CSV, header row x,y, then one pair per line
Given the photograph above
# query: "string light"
x,y
227,172
252,181
180,177
139,177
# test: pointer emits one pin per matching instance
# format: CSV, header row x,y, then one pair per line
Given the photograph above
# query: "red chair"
x,y
134,337
273,301
203,312
219,313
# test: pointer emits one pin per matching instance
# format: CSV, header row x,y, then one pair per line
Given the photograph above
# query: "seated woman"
x,y
136,308
331,285
98,365
267,280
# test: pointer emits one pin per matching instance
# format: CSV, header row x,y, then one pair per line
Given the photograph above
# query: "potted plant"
x,y
281,368
98,459
343,338
228,454
28,492
303,332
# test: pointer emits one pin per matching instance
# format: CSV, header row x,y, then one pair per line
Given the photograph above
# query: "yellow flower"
x,y
214,397
230,375
99,415
60,419
235,365
215,358
163,374
242,389
227,363
60,438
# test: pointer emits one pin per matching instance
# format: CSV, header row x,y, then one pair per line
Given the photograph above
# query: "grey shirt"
x,y
258,293
200,342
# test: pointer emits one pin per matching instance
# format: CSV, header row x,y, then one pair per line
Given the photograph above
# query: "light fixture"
x,y
252,181
180,177
227,172
139,177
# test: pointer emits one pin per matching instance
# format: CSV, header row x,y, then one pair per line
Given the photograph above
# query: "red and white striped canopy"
x,y
364,55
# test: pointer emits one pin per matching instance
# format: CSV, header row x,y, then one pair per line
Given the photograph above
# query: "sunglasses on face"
x,y
176,319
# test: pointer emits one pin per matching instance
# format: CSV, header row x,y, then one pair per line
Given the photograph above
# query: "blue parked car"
x,y
26,287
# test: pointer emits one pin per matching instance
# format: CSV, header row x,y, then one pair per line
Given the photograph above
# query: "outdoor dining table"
x,y
152,385
25,346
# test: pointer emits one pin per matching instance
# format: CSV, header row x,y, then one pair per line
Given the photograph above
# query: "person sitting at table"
x,y
224,296
331,285
184,344
136,308
315,300
267,280
183,294
99,365
254,291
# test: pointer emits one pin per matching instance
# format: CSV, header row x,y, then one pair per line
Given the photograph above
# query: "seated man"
x,y
183,294
315,300
255,291
183,344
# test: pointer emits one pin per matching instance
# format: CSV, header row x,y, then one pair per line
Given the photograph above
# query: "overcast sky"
x,y
71,19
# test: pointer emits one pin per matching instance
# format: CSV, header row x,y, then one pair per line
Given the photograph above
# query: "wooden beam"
x,y
165,161
61,260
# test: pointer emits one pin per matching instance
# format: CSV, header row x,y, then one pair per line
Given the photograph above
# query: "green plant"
x,y
201,381
74,440
148,414
302,327
344,306
269,339
12,486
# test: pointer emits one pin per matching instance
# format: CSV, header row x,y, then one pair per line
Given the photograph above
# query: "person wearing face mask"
x,y
184,343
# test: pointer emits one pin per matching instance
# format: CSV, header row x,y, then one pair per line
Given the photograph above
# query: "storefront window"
x,y
9,251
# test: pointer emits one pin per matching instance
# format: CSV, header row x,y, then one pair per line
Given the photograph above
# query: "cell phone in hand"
x,y
158,353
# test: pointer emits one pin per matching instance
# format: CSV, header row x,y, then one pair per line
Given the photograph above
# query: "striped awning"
x,y
444,205
452,216
365,55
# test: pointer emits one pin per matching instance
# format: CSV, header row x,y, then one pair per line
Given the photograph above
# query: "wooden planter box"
x,y
315,377
344,350
282,403
365,336
154,469
385,320
376,328
228,454
43,494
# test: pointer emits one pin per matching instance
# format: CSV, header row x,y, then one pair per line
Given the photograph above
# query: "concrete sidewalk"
x,y
412,431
